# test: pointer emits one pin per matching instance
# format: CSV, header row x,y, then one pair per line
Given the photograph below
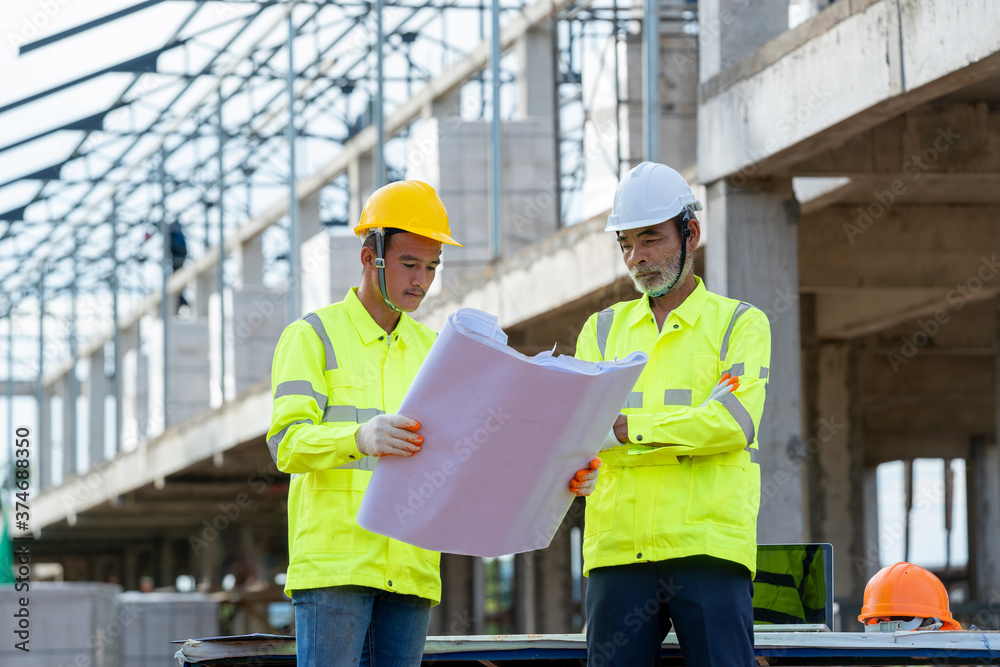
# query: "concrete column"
x,y
156,364
478,597
455,614
96,389
251,263
536,72
209,565
187,367
448,105
330,266
984,494
603,132
753,256
526,593
835,463
554,583
130,567
68,424
167,562
258,318
866,568
48,437
204,286
309,221
361,184
732,29
133,398
983,483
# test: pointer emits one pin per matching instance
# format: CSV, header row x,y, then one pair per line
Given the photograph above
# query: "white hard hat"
x,y
649,194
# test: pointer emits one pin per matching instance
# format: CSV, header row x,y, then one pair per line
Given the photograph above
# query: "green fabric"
x,y
6,553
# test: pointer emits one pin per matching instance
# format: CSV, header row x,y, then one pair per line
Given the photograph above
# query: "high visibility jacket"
x,y
333,370
701,495
789,586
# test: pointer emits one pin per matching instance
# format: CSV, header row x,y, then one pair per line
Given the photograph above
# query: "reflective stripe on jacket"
x,y
699,496
333,370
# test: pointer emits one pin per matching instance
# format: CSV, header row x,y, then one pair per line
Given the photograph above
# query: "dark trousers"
x,y
630,609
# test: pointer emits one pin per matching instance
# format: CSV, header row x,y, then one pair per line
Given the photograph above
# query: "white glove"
x,y
725,386
389,435
585,481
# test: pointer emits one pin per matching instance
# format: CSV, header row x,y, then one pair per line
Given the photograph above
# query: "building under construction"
x,y
198,193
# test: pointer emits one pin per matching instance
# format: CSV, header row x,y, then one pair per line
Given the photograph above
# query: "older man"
x,y
671,527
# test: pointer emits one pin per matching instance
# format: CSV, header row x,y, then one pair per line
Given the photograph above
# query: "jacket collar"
x,y
689,311
367,328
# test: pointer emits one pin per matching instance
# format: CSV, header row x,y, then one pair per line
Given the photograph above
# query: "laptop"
x,y
793,585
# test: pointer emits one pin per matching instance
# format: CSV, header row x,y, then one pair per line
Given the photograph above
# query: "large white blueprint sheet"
x,y
503,435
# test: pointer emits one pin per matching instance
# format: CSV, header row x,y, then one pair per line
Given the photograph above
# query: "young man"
x,y
338,377
671,527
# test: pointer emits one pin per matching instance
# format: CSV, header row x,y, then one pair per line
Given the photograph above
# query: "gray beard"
x,y
666,274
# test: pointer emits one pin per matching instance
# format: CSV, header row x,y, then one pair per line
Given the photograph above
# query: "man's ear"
x,y
367,257
695,237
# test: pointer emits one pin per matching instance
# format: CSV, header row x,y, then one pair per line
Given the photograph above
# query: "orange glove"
x,y
725,386
389,435
585,481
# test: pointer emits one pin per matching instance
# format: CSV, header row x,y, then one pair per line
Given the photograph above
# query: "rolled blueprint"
x,y
503,435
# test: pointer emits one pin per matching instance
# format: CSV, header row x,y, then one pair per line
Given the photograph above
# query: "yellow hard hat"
x,y
412,206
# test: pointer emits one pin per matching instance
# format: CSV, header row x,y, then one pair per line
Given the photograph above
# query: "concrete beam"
x,y
898,246
957,327
175,450
968,332
930,188
884,445
937,138
22,387
926,376
812,107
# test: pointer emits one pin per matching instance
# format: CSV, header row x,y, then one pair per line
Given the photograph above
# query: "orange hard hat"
x,y
909,591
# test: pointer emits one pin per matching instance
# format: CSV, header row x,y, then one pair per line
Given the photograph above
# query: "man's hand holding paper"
x,y
507,442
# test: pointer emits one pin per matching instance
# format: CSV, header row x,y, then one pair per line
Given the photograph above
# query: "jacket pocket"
x,y
720,490
334,499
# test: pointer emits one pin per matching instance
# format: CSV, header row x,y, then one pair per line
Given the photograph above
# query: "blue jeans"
x,y
630,609
356,625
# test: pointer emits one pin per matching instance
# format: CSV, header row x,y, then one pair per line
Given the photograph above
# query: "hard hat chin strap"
x,y
685,233
380,265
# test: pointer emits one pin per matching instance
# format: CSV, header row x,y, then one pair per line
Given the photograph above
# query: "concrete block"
x,y
463,182
69,624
